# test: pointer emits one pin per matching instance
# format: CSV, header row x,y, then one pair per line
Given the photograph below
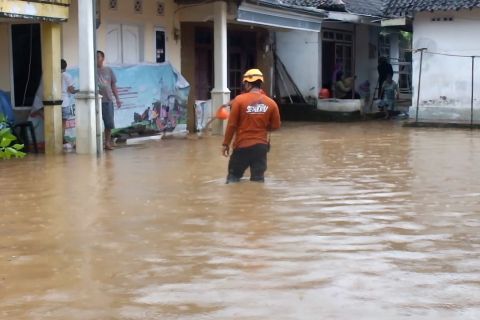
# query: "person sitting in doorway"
x,y
344,87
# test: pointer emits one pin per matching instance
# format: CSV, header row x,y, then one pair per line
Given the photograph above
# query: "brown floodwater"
x,y
365,220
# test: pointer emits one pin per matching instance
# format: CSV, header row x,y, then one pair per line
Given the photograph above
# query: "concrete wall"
x,y
300,52
125,14
5,63
446,81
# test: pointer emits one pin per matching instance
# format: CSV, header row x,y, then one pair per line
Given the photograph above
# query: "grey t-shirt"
x,y
106,78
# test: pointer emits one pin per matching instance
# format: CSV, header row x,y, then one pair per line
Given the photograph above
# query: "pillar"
x,y
220,92
52,87
86,117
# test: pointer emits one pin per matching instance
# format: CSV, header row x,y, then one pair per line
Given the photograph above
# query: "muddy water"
x,y
355,221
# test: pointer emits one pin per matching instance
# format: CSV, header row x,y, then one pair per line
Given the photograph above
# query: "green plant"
x,y
7,150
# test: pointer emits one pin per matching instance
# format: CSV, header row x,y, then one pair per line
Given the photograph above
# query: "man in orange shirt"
x,y
252,115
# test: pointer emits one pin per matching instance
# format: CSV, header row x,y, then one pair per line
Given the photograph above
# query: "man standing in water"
x,y
107,86
252,116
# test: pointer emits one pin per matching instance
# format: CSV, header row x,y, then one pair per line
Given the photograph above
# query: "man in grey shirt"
x,y
107,86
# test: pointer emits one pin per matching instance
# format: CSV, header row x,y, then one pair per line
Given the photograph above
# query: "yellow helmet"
x,y
253,75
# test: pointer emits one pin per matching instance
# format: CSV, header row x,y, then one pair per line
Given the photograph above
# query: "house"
x,y
213,68
23,56
191,35
444,34
210,43
348,40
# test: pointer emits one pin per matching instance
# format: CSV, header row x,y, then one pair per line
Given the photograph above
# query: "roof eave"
x,y
297,9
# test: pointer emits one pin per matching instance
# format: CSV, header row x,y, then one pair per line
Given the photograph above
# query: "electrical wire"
x,y
29,65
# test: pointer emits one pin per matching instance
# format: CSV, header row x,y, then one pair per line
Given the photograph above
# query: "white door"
x,y
131,44
123,44
113,51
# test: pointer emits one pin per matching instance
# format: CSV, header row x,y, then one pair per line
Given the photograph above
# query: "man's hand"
x,y
119,103
225,150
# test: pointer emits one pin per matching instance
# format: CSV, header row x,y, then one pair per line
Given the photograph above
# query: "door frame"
x,y
348,39
10,59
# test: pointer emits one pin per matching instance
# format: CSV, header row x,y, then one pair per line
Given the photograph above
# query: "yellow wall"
x,y
125,14
5,57
35,9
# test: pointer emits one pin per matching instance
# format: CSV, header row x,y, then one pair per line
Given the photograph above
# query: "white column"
x,y
220,92
86,132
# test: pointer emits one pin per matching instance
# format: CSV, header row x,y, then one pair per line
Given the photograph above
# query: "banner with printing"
x,y
152,95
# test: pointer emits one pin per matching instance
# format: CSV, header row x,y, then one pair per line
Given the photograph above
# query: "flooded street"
x,y
364,220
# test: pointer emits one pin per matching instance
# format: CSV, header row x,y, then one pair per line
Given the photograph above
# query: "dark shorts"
x,y
108,115
254,157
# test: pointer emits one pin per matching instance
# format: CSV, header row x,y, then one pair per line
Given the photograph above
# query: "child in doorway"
x,y
390,94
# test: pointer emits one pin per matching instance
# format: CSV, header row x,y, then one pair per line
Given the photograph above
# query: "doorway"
x,y
242,55
27,63
337,55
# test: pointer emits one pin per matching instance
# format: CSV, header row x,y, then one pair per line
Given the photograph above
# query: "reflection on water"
x,y
355,221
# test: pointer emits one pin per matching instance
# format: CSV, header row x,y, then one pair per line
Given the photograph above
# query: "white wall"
x,y
125,14
300,51
446,81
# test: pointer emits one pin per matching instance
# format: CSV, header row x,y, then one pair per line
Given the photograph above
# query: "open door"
x,y
27,63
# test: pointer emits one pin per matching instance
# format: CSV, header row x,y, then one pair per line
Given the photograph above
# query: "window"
x,y
384,45
124,44
159,45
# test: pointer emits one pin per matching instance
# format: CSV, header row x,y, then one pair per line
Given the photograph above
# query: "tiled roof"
x,y
360,7
365,7
408,7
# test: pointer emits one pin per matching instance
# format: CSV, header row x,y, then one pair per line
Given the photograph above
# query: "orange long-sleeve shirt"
x,y
252,115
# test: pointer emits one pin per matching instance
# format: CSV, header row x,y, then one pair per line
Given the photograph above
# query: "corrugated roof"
x,y
408,7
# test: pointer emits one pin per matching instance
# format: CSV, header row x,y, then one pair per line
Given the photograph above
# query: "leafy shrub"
x,y
8,149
